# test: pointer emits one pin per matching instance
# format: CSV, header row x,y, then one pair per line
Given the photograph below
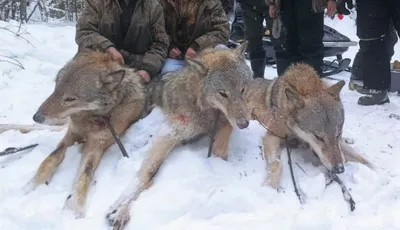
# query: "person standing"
x,y
373,24
303,21
255,12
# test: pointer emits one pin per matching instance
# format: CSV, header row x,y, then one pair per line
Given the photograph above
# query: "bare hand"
x,y
190,53
331,8
115,55
174,53
272,11
144,75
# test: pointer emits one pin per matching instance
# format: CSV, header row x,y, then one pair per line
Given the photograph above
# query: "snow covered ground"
x,y
190,191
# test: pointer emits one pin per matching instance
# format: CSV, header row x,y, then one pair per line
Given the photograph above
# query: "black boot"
x,y
258,61
375,97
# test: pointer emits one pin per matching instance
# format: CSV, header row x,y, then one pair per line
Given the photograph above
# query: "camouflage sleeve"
x,y
155,56
219,32
87,33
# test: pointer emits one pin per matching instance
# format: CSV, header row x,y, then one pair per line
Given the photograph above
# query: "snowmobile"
x,y
335,43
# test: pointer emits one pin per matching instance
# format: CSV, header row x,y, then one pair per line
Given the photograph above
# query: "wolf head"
x,y
226,78
87,83
318,120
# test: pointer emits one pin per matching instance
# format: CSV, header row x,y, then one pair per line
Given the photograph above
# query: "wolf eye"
x,y
69,99
319,138
223,94
242,90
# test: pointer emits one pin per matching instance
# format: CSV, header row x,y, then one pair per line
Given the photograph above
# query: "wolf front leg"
x,y
118,216
351,155
50,164
221,142
92,153
272,155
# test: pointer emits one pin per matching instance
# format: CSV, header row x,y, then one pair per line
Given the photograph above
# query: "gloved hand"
x,y
341,6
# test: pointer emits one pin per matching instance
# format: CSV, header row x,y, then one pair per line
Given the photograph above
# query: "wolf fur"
x,y
299,105
189,98
89,88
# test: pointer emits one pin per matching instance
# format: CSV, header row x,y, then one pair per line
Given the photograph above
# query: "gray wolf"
x,y
300,106
89,88
189,98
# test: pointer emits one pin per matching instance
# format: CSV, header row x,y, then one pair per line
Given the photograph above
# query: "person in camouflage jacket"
x,y
193,25
131,31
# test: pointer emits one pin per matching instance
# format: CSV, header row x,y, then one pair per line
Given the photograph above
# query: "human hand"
x,y
272,11
115,55
190,53
174,53
144,75
331,8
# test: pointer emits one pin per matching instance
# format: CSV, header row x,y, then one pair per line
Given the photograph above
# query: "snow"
x,y
190,191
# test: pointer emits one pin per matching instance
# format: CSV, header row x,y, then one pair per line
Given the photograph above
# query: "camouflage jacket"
x,y
204,24
145,44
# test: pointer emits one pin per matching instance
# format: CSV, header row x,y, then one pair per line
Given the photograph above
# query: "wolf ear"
x,y
294,98
197,65
112,79
240,51
335,89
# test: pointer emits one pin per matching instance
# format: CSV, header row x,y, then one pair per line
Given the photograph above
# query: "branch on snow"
x,y
29,128
17,34
13,61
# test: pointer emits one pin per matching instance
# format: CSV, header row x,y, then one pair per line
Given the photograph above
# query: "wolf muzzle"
x,y
242,124
338,169
38,117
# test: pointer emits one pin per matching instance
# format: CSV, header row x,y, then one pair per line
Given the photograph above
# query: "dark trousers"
x,y
254,14
304,35
390,41
373,19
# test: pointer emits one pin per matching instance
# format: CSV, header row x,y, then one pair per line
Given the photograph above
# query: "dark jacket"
x,y
145,44
199,24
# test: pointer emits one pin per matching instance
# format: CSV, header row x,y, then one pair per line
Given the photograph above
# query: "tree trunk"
x,y
13,9
76,10
22,10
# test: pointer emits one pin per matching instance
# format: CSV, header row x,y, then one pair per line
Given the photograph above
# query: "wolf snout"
x,y
242,124
39,118
338,169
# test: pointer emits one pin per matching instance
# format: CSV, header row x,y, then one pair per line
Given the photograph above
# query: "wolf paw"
x,y
72,204
348,140
29,187
280,190
272,183
118,217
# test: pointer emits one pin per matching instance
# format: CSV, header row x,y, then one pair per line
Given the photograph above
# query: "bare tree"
x,y
56,9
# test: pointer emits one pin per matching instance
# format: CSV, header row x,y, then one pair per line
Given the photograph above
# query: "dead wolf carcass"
x,y
93,91
300,106
189,98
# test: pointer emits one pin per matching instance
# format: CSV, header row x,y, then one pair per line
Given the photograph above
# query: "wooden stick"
x,y
29,128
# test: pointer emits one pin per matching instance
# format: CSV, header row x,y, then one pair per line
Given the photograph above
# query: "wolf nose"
x,y
243,124
338,169
38,117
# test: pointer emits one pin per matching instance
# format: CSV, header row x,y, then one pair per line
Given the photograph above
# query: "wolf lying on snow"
x,y
189,98
300,105
89,88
